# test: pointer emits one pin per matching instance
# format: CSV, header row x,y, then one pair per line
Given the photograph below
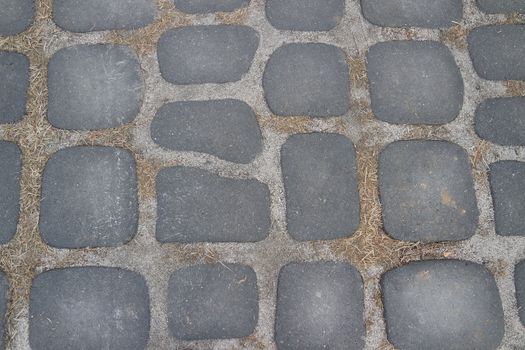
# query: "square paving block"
x,y
320,181
442,304
209,6
15,16
213,302
14,81
501,6
305,15
10,168
502,121
4,297
319,306
427,191
519,278
414,82
89,198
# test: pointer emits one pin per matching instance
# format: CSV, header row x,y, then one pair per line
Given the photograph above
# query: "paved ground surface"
x,y
236,174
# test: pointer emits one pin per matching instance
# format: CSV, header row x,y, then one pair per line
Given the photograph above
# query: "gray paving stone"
x,y
414,82
4,296
497,51
319,172
213,302
14,81
95,15
319,306
227,129
427,192
307,79
16,16
89,308
208,6
194,205
206,54
10,168
89,198
507,182
519,278
413,13
502,121
442,304
501,6
94,87
305,15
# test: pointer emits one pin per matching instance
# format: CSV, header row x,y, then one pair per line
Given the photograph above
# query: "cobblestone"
x,y
206,54
307,79
501,121
438,305
207,6
4,297
195,205
519,277
89,198
305,15
319,173
413,13
501,6
89,308
10,167
213,302
414,82
14,75
427,192
16,16
227,129
319,306
96,15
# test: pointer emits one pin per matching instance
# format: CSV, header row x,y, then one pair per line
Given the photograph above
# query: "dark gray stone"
x,y
208,6
319,306
501,6
497,51
427,192
414,82
94,87
507,182
10,168
227,129
413,13
218,301
194,205
206,54
15,16
519,278
305,15
307,79
502,121
89,308
94,15
89,198
442,304
4,297
14,81
322,201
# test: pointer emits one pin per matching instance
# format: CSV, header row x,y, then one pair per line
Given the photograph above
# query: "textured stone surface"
x,y
307,79
89,198
94,87
4,297
319,306
519,278
213,302
206,54
89,308
194,205
502,121
319,173
501,6
305,15
413,13
427,191
14,80
507,182
227,129
497,51
94,15
414,82
437,305
10,167
15,16
208,6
